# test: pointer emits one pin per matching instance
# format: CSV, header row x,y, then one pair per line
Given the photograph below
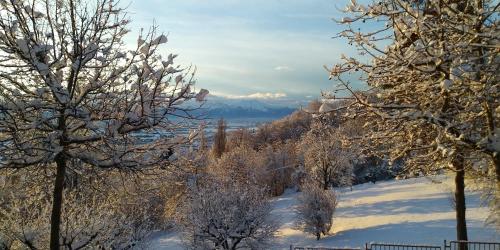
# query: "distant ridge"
x,y
242,112
231,108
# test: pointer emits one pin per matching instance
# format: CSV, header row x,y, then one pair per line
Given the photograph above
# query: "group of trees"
x,y
433,98
276,156
274,152
223,191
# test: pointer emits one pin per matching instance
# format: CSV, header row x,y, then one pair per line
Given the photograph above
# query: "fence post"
x,y
366,245
444,248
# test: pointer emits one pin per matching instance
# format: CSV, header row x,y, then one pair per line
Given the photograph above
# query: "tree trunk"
x,y
225,245
496,161
496,192
326,176
55,219
460,202
235,243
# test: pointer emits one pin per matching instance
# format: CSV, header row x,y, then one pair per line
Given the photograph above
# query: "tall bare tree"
x,y
219,145
71,90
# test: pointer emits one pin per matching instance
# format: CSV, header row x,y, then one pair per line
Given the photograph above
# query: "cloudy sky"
x,y
257,48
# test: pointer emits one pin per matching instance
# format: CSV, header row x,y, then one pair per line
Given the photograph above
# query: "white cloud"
x,y
257,95
267,95
283,68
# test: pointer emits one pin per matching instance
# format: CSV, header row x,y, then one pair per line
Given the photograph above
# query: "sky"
x,y
268,49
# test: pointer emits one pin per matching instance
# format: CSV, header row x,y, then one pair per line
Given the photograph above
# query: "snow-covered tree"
x,y
431,67
222,214
242,164
281,160
316,208
291,127
240,137
71,90
188,169
326,159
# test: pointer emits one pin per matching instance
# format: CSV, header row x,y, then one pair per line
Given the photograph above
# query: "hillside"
x,y
404,211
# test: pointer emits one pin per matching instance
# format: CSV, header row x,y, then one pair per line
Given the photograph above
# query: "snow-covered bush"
x,y
316,208
226,215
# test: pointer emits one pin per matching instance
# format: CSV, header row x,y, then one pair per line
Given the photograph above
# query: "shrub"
x,y
316,208
226,215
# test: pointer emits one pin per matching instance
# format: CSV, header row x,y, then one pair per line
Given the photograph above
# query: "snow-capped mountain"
x,y
228,108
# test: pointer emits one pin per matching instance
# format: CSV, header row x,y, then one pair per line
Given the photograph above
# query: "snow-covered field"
x,y
404,211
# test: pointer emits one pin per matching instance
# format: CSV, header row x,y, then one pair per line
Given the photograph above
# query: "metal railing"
x,y
384,246
471,245
321,248
448,245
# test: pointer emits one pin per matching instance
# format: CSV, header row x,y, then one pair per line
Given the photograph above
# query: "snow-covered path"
x,y
404,211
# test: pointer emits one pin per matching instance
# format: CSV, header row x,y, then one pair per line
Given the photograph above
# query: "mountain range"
x,y
236,108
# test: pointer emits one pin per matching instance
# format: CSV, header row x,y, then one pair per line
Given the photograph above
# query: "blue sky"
x,y
268,48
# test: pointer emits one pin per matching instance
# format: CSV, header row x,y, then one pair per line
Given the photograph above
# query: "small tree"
x,y
227,215
71,91
316,208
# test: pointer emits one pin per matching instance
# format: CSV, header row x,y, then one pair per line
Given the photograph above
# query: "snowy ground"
x,y
405,211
